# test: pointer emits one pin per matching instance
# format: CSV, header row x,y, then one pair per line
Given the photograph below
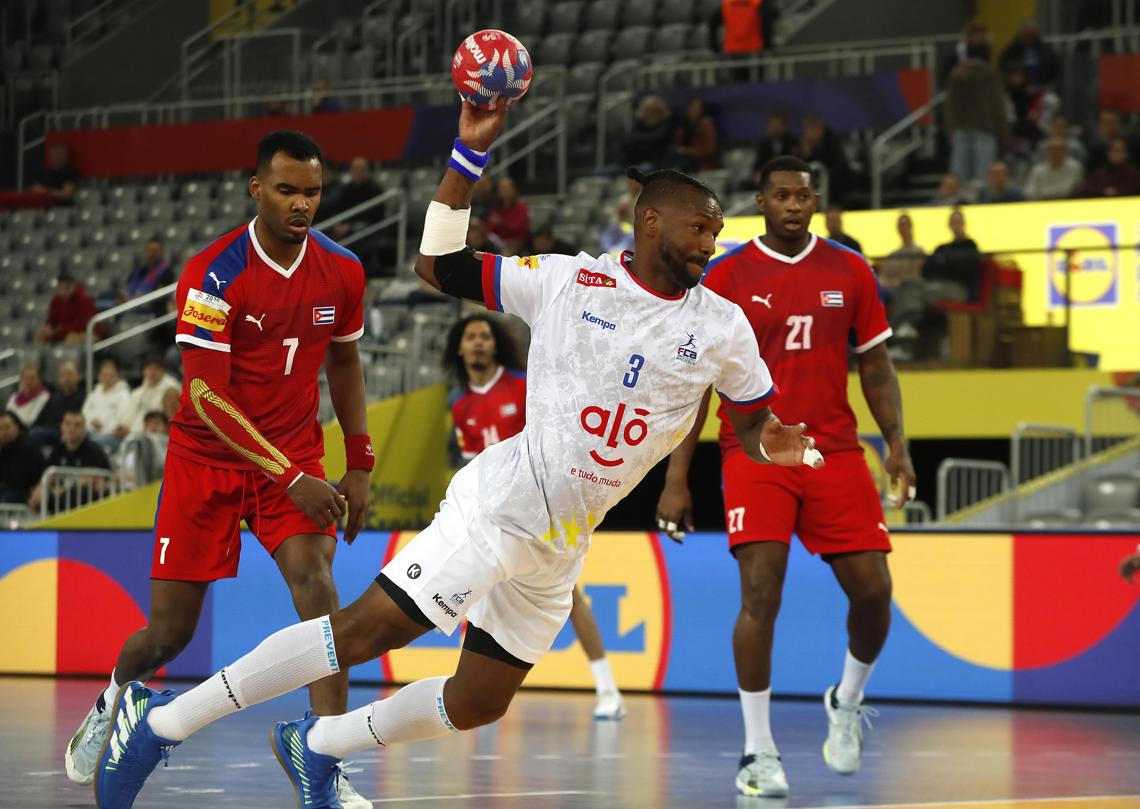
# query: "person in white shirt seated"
x,y
105,408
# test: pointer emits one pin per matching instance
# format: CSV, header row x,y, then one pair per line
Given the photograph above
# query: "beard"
x,y
676,262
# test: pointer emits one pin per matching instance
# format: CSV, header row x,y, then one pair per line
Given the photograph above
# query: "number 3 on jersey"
x,y
635,363
799,332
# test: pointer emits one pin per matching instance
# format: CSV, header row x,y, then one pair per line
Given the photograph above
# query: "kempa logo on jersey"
x,y
597,321
595,279
448,611
596,421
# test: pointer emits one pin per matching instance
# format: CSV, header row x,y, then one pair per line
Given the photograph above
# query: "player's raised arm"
x,y
445,261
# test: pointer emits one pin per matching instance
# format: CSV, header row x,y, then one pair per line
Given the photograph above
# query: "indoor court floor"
x,y
667,752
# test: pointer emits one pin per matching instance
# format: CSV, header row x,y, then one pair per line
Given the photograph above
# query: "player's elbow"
x,y
425,269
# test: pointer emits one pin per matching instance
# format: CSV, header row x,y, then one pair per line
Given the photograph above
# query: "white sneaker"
x,y
610,705
349,798
843,750
82,753
762,775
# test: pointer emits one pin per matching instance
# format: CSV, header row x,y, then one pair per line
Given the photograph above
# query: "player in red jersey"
x,y
809,301
491,407
260,310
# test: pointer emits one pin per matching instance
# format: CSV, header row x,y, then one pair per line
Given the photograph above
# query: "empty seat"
x,y
673,38
593,46
556,49
602,15
1110,519
583,78
1053,519
640,12
58,217
530,21
119,194
717,179
156,192
631,43
359,65
1113,492
589,188
577,212
565,17
672,11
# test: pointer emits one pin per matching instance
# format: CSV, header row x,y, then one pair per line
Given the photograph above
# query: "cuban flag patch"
x,y
832,299
325,315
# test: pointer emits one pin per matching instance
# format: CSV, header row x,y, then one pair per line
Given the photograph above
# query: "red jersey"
x,y
276,323
487,414
806,311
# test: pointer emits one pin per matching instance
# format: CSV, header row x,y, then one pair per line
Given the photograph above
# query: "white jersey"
x,y
615,375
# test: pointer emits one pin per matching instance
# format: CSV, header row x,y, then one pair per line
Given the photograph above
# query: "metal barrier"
x,y
9,380
140,459
1038,449
1112,416
63,488
920,136
963,483
91,345
917,512
14,516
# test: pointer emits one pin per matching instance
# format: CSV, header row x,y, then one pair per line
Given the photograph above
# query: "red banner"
x,y
220,145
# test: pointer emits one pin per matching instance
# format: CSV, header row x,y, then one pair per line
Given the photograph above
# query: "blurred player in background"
x,y
491,407
261,309
611,391
808,299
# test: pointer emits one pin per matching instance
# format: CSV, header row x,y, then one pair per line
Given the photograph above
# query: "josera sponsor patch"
x,y
205,310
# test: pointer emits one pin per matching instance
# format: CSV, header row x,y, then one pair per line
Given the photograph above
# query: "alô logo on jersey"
x,y
597,421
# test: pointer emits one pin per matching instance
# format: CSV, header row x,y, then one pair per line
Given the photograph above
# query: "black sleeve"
x,y
460,274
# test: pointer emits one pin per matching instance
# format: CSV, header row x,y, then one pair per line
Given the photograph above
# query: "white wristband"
x,y
445,230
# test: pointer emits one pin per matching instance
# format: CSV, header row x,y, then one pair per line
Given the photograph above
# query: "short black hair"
x,y
506,349
296,145
658,186
783,163
156,414
154,359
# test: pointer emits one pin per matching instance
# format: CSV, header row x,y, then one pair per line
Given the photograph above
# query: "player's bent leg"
x,y
485,682
174,610
610,704
865,578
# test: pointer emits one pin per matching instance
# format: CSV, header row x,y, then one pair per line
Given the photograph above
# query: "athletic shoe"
x,y
610,705
843,750
347,795
82,753
132,750
762,775
314,776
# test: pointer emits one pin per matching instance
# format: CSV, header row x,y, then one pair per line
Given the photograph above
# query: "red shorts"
x,y
197,533
835,509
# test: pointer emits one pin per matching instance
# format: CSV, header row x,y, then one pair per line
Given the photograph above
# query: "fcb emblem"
x,y
324,315
832,299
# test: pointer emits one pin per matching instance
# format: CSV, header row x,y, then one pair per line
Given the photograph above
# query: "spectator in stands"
x,y
483,197
817,144
147,397
618,235
778,141
480,239
974,34
1037,60
67,397
322,101
77,450
1116,178
21,461
949,192
1058,176
1032,109
953,271
360,188
543,241
900,278
650,142
1108,129
510,219
30,398
69,312
1059,128
998,187
975,114
834,220
154,272
58,177
697,138
905,262
105,408
749,26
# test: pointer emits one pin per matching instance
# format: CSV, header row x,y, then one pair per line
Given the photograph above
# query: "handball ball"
x,y
491,64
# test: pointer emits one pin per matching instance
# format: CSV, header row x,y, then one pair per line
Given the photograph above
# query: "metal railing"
x,y
14,516
80,34
8,380
1112,416
919,136
63,488
139,460
399,218
963,483
1038,449
91,345
545,125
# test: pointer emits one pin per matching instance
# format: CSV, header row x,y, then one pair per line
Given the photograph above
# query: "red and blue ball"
x,y
490,65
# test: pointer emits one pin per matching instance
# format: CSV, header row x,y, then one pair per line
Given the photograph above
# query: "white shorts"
x,y
464,566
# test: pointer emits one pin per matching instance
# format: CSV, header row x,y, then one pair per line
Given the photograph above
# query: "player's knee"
x,y
874,595
167,645
761,600
475,711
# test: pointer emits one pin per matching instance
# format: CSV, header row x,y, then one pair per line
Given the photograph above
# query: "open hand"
x,y
900,470
786,443
323,504
357,490
478,128
675,511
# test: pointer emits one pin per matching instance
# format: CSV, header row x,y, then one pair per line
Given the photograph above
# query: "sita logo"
x,y
596,421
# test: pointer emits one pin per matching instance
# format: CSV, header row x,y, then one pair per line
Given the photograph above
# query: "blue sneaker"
x,y
132,749
314,776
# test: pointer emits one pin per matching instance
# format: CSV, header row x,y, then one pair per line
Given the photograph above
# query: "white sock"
x,y
603,675
855,677
109,694
757,730
295,656
414,713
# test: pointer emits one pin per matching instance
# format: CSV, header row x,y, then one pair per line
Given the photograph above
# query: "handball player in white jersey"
x,y
621,353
